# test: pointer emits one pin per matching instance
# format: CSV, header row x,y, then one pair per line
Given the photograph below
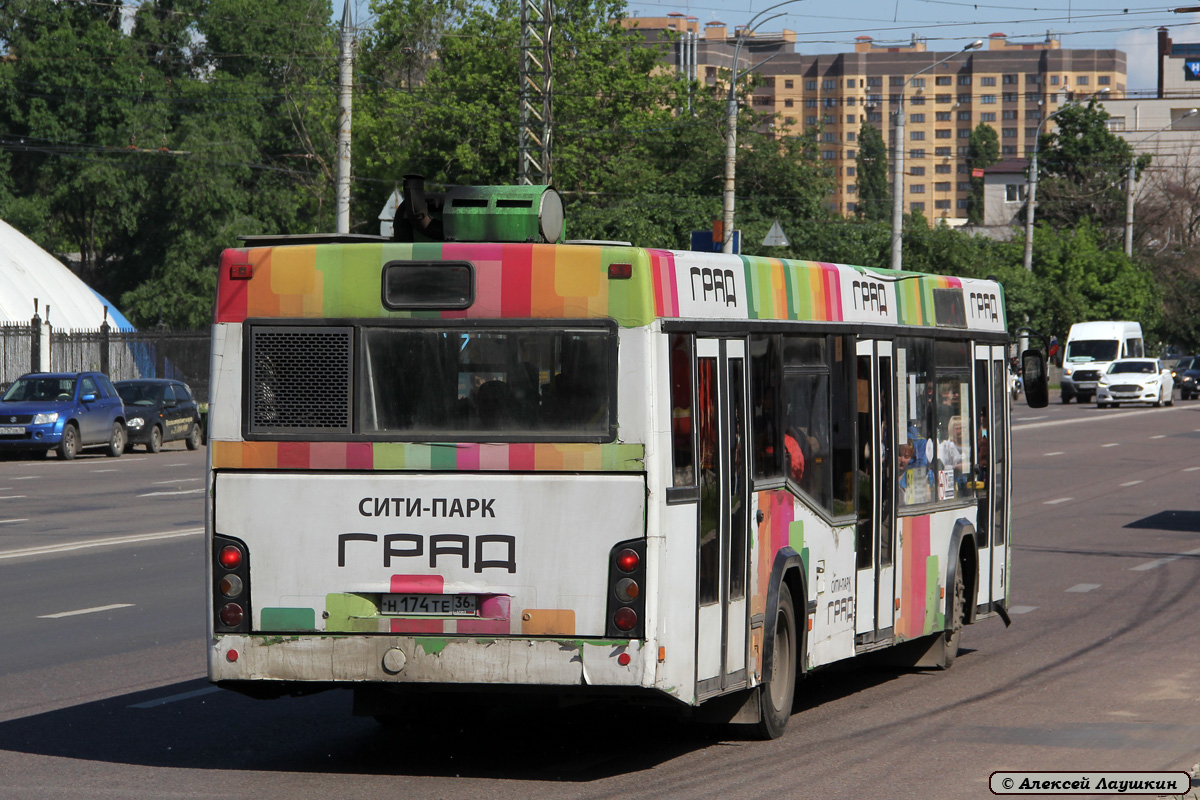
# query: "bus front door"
x,y
991,465
876,529
724,508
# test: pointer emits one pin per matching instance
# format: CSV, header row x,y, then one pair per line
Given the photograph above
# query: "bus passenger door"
x,y
724,508
875,611
991,450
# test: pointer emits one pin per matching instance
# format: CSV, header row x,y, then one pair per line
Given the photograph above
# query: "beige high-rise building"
x,y
1007,85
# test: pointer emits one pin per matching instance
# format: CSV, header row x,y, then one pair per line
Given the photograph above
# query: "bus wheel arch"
x,y
784,644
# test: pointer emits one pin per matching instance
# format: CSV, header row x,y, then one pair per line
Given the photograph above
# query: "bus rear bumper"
x,y
427,659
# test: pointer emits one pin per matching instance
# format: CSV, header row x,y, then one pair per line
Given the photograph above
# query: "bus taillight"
x,y
626,619
230,557
231,586
626,600
628,560
231,615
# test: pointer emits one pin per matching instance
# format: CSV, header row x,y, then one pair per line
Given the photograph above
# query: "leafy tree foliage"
x,y
148,143
874,189
1082,167
983,150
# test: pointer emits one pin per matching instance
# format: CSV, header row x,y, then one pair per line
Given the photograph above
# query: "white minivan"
x,y
1091,348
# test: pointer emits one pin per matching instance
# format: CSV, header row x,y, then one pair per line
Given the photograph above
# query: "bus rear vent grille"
x,y
300,380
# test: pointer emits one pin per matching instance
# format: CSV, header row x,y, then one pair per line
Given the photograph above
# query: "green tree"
x,y
1084,280
79,109
1082,167
983,150
874,189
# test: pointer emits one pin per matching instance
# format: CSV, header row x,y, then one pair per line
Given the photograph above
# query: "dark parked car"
x,y
1187,377
63,411
160,410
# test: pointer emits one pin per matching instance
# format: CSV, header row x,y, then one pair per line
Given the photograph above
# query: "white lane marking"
x,y
1022,609
1084,587
13,497
1030,419
118,540
104,470
179,465
1104,418
1055,453
1132,483
6,521
1191,469
1111,444
167,494
1158,562
1160,436
62,614
162,701
28,478
176,480
1056,502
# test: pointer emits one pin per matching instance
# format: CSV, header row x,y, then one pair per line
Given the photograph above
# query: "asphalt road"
x,y
1099,671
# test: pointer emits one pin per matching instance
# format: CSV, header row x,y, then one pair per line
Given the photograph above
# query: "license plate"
x,y
429,605
11,430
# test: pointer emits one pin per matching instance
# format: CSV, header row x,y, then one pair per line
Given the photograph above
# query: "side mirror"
x,y
88,398
1036,381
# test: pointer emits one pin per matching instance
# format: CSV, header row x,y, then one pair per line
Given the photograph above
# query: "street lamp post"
x,y
898,156
731,109
1032,180
1129,181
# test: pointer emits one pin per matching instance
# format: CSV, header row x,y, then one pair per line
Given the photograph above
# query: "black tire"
x,y
155,442
776,695
1101,405
953,632
1066,398
116,441
193,437
68,446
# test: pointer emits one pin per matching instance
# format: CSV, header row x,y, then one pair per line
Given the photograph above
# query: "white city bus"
x,y
593,469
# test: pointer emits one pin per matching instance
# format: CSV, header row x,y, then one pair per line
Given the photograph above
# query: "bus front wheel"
x,y
776,695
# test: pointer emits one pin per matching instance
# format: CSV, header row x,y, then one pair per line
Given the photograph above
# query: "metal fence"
x,y
181,355
16,343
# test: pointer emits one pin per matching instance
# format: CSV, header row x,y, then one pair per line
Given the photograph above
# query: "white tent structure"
x,y
27,272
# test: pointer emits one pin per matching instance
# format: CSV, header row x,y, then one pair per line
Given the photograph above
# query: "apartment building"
x,y
1008,85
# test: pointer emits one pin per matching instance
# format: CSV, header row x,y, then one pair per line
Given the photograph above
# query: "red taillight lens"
x,y
625,619
231,615
627,560
231,586
230,557
620,271
627,590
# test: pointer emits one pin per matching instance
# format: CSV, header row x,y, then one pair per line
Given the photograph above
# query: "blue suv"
x,y
62,411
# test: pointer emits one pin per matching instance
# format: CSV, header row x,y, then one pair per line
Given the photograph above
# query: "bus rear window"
x,y
435,383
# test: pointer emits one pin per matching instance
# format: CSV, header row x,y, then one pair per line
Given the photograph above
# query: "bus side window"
x,y
765,404
683,452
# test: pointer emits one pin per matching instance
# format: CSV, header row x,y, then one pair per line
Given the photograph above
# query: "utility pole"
x,y
534,114
345,100
731,109
898,158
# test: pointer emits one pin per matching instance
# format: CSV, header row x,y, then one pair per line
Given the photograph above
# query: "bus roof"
x,y
574,281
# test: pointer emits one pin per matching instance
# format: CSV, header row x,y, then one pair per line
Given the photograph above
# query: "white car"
x,y
1136,380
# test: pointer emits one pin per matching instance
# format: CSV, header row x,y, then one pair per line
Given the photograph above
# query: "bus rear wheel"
x,y
953,632
776,695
